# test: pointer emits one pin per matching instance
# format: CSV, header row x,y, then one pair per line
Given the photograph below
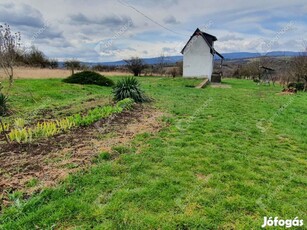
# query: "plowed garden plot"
x,y
29,167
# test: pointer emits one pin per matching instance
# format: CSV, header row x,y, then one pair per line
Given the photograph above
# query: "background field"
x,y
225,158
40,73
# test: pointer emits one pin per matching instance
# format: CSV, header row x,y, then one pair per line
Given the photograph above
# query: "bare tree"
x,y
173,72
179,65
35,57
265,69
72,65
286,76
254,69
53,63
135,65
161,64
9,46
299,68
250,70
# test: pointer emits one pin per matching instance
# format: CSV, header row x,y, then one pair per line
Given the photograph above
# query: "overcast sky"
x,y
109,30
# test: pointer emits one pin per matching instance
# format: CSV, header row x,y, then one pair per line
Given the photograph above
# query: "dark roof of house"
x,y
209,39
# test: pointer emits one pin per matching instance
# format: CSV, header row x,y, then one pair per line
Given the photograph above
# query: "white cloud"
x,y
75,27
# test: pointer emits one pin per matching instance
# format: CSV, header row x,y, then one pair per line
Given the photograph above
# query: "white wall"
x,y
197,59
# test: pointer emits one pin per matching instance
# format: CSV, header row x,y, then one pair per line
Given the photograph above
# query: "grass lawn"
x,y
227,158
30,98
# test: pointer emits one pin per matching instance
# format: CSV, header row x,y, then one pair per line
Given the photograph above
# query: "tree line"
x,y
285,70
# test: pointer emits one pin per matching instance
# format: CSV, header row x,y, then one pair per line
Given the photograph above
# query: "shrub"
x,y
135,65
299,85
3,104
89,78
129,88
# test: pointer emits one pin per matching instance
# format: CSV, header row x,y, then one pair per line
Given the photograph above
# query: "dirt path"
x,y
45,163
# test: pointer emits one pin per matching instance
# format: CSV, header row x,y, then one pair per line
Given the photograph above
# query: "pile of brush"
x,y
289,90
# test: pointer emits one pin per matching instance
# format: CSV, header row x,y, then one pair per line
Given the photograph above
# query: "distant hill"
x,y
230,56
239,55
174,59
149,61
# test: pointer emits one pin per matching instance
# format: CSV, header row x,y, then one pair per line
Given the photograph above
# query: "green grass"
x,y
29,97
228,158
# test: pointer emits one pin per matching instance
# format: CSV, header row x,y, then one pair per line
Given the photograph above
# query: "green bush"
x,y
89,78
129,88
298,85
3,104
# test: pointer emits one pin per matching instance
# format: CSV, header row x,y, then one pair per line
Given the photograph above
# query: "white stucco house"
x,y
198,56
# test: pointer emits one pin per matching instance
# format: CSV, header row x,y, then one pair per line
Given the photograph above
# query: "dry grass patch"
x,y
38,73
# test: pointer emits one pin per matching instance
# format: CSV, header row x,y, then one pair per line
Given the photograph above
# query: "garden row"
x,y
21,134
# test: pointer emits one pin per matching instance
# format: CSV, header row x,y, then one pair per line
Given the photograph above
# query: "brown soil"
x,y
51,160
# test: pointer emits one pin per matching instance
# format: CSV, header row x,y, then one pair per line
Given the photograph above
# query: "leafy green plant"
x,y
76,119
65,124
101,112
21,135
129,88
126,103
19,123
89,78
47,129
95,115
14,135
